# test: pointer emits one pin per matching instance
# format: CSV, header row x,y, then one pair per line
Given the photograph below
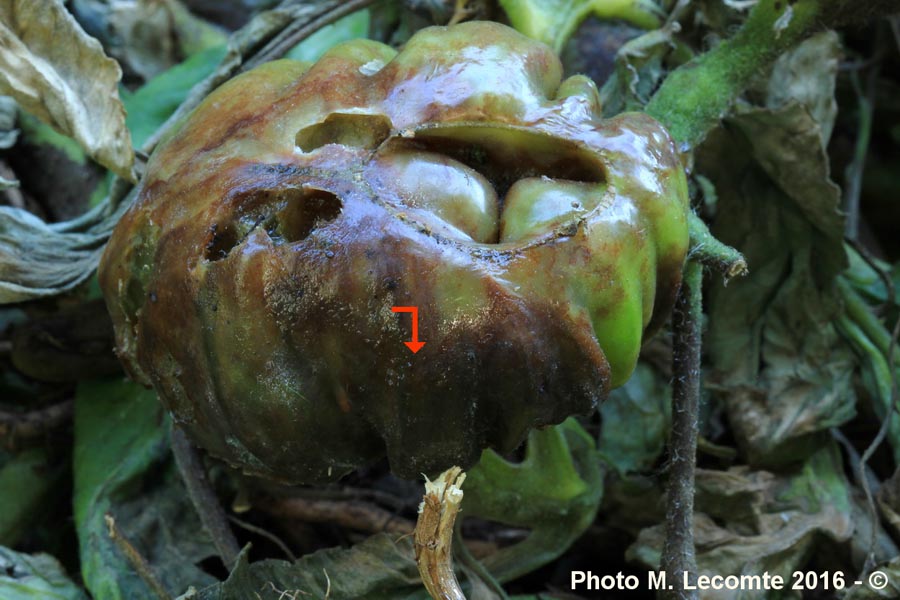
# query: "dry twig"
x,y
350,514
434,535
16,427
210,511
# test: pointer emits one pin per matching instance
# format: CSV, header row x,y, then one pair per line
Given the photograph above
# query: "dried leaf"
x,y
39,259
639,68
787,377
807,75
58,73
154,35
750,522
890,591
146,36
377,569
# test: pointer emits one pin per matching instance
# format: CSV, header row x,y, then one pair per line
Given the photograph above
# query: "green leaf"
x,y
553,21
35,577
123,466
869,338
26,481
635,421
353,26
37,132
156,100
58,73
555,491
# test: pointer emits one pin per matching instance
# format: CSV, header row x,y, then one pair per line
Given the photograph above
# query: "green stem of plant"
x,y
858,310
678,558
472,563
709,251
854,171
694,97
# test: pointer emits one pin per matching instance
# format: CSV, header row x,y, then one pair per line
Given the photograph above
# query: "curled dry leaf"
x,y
58,73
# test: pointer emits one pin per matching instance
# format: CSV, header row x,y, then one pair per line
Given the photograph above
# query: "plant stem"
x,y
434,535
854,171
265,534
709,251
473,564
695,96
891,402
259,45
297,32
17,427
678,557
211,514
858,310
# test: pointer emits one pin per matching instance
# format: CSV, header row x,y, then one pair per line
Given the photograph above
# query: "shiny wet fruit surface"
x,y
253,281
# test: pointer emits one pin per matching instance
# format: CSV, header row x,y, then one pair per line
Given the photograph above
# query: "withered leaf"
x,y
749,522
58,73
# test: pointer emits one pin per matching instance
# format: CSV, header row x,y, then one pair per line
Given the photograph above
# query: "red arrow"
x,y
415,345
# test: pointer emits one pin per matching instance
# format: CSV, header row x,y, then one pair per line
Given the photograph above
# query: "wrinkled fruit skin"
x,y
252,282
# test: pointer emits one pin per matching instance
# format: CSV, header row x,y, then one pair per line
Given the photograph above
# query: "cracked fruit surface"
x,y
251,283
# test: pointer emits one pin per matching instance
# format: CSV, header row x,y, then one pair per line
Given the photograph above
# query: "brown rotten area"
x,y
251,284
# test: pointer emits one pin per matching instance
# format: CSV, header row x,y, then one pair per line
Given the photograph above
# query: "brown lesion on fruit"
x,y
220,239
302,215
287,216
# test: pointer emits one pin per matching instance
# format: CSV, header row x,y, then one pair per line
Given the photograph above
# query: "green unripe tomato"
x,y
252,282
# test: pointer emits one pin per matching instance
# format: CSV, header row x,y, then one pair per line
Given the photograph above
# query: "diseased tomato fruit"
x,y
252,282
